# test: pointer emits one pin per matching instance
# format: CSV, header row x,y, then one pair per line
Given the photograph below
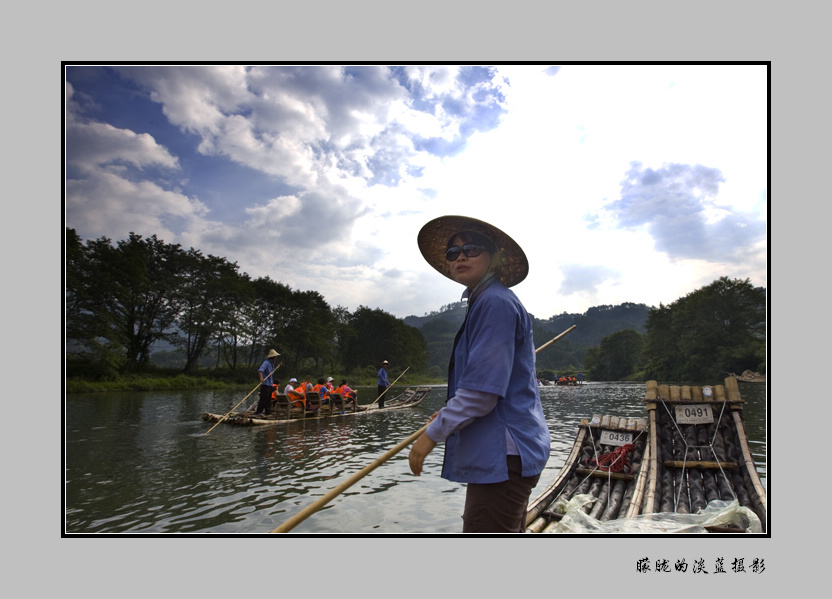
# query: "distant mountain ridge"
x,y
439,329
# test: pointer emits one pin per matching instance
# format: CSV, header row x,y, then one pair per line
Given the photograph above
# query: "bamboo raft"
x,y
283,411
613,483
700,453
691,471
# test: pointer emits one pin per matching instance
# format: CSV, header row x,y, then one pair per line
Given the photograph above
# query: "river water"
x,y
142,463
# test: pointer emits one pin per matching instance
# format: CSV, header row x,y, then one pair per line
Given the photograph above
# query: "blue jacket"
x,y
382,377
494,353
267,369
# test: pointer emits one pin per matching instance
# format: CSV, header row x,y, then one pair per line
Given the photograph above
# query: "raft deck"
x,y
691,470
605,468
283,411
699,452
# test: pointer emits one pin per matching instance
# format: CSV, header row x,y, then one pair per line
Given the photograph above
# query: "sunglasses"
x,y
471,250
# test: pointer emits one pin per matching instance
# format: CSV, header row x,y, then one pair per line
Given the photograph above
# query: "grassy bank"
x,y
181,382
148,383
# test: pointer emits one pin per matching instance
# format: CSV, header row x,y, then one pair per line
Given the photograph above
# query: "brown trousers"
x,y
499,507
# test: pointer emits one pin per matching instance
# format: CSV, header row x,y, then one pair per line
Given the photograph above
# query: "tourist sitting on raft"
x,y
346,392
322,391
297,394
290,386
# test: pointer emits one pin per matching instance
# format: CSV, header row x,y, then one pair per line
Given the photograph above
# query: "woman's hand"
x,y
421,448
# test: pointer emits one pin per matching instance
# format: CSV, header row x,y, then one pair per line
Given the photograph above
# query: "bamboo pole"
x,y
388,386
706,464
317,505
550,342
750,466
242,400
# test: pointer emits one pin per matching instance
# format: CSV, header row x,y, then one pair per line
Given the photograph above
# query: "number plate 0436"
x,y
616,438
694,414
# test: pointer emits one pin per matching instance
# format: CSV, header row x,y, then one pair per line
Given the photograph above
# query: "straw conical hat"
x,y
434,237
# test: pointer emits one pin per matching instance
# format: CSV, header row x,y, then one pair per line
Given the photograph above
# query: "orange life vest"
x,y
349,395
297,395
321,390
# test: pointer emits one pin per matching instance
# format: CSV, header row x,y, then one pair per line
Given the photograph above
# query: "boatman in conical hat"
x,y
495,435
265,372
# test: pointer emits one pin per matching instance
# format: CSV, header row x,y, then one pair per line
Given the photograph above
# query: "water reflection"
x,y
143,463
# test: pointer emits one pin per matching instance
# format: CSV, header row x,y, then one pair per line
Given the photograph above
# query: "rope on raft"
x,y
614,461
692,449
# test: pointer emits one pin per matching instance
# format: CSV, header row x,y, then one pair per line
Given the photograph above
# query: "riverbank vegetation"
x,y
715,330
142,314
173,380
129,300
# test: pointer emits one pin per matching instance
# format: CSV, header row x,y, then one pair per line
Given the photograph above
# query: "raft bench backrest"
x,y
313,401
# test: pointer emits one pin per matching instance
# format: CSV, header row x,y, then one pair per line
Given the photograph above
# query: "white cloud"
x,y
91,144
105,202
107,189
372,153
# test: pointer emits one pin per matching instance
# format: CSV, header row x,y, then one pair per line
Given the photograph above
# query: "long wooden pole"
x,y
550,342
311,509
317,505
242,400
388,386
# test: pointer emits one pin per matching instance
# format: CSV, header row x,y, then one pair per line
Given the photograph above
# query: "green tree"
x,y
312,330
231,332
618,356
716,329
79,300
124,296
272,320
378,336
201,289
86,330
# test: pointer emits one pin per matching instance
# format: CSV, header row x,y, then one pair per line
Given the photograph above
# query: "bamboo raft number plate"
x,y
616,438
699,413
694,414
609,437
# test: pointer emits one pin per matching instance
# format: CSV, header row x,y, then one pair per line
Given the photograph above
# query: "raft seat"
x,y
337,402
283,408
350,404
313,403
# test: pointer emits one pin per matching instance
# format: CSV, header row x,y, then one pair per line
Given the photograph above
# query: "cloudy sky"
x,y
622,183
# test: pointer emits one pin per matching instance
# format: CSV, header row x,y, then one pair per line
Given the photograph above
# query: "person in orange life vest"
x,y
307,387
322,391
298,395
344,391
290,386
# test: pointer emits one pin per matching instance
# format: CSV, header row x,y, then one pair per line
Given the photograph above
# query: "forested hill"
x,y
439,329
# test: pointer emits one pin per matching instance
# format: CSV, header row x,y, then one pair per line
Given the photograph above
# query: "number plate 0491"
x,y
616,438
694,414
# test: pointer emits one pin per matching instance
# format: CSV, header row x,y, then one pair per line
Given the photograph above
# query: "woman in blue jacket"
x,y
496,438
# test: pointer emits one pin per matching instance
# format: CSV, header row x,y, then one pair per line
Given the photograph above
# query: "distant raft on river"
x,y
283,410
686,468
